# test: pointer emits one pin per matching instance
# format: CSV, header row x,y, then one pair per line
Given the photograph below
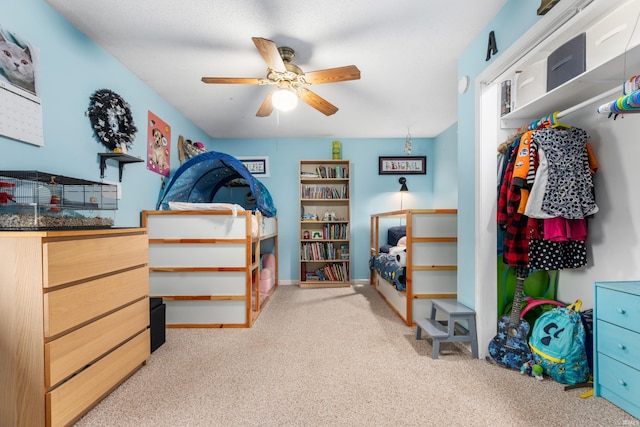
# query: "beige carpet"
x,y
334,357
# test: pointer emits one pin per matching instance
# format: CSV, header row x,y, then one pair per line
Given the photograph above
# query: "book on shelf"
x,y
331,172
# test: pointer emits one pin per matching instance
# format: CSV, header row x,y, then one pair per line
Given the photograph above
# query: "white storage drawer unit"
x,y
531,83
617,344
614,33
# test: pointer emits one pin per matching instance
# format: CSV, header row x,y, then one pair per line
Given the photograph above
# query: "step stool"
x,y
445,331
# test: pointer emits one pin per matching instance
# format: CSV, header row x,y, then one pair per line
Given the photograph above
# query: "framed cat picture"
x,y
19,63
20,106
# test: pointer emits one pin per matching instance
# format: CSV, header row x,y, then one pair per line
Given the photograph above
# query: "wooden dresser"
x,y
617,344
74,316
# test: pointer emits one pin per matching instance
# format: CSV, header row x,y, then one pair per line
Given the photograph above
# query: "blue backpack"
x,y
558,344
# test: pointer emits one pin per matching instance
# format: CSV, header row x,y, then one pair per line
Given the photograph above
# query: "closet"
x,y
612,245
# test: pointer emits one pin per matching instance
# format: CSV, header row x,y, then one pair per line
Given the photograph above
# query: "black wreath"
x,y
111,119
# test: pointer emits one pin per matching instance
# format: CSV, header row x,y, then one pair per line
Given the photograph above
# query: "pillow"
x,y
395,233
185,206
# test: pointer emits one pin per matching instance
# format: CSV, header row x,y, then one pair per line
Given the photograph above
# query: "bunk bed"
x,y
211,260
207,265
431,253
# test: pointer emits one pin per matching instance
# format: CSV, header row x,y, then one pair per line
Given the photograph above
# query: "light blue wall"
x,y
371,193
446,178
72,67
509,24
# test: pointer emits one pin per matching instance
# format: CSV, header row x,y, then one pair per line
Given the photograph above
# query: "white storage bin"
x,y
608,38
531,83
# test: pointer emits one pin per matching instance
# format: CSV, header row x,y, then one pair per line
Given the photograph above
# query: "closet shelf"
x,y
587,85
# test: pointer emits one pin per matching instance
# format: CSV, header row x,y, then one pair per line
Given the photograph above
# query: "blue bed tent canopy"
x,y
199,179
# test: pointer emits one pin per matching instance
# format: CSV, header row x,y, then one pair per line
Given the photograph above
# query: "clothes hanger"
x,y
556,124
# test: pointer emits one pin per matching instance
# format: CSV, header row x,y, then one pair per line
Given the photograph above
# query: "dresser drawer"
x,y
69,401
619,308
68,261
69,307
619,343
619,384
72,352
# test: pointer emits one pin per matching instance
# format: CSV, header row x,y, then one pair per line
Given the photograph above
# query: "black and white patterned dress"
x,y
569,190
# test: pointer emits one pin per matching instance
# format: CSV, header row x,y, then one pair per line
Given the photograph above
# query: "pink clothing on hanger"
x,y
561,229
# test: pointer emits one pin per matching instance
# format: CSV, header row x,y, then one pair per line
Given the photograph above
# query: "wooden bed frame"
x,y
431,259
206,265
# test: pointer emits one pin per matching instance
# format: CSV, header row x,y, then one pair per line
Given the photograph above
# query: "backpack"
x,y
558,344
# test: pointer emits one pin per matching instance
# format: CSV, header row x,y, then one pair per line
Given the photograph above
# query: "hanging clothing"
x,y
539,180
516,244
569,190
521,169
554,252
545,194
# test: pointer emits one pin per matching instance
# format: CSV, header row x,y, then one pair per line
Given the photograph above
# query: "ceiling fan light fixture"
x,y
284,100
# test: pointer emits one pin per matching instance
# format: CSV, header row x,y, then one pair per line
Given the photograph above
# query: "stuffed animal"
x,y
532,369
400,251
401,257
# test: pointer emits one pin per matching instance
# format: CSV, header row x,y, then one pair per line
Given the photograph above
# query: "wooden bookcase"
x,y
325,243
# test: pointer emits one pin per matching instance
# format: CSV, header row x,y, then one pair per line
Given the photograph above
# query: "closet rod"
x,y
587,102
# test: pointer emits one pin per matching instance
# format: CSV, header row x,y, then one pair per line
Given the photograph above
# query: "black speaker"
x,y
157,321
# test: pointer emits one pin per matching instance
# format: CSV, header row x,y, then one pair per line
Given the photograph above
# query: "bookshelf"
x,y
325,243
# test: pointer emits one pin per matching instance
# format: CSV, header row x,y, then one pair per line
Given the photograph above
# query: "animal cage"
x,y
33,200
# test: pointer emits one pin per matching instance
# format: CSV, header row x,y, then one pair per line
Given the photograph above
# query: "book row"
x,y
318,192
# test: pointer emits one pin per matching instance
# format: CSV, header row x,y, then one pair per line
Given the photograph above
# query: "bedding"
x,y
391,262
187,206
390,269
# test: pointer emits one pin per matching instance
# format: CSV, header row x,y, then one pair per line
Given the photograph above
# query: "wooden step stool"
x,y
445,331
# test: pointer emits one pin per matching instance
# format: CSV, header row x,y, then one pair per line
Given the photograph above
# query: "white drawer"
x,y
232,312
531,83
205,225
434,253
193,255
619,343
435,225
619,308
434,281
198,283
608,38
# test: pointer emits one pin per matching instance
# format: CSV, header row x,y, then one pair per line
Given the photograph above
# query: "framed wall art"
x,y
402,165
257,165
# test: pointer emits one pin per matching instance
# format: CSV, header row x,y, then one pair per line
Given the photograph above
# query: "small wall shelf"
x,y
121,158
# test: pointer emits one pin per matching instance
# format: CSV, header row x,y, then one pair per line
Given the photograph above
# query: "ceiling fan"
x,y
289,79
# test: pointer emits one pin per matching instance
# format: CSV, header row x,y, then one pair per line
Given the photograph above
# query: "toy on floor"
x,y
532,369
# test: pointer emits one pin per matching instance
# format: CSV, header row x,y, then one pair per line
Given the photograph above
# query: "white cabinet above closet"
x,y
612,56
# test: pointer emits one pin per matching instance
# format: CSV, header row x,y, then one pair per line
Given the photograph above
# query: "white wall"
x,y
613,249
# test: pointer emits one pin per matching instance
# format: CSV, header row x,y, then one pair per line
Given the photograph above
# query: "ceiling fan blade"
x,y
269,52
317,102
267,107
332,75
233,80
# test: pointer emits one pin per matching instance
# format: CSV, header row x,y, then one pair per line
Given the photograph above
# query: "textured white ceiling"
x,y
406,51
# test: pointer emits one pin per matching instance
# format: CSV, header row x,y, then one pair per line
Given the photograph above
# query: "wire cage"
x,y
34,200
